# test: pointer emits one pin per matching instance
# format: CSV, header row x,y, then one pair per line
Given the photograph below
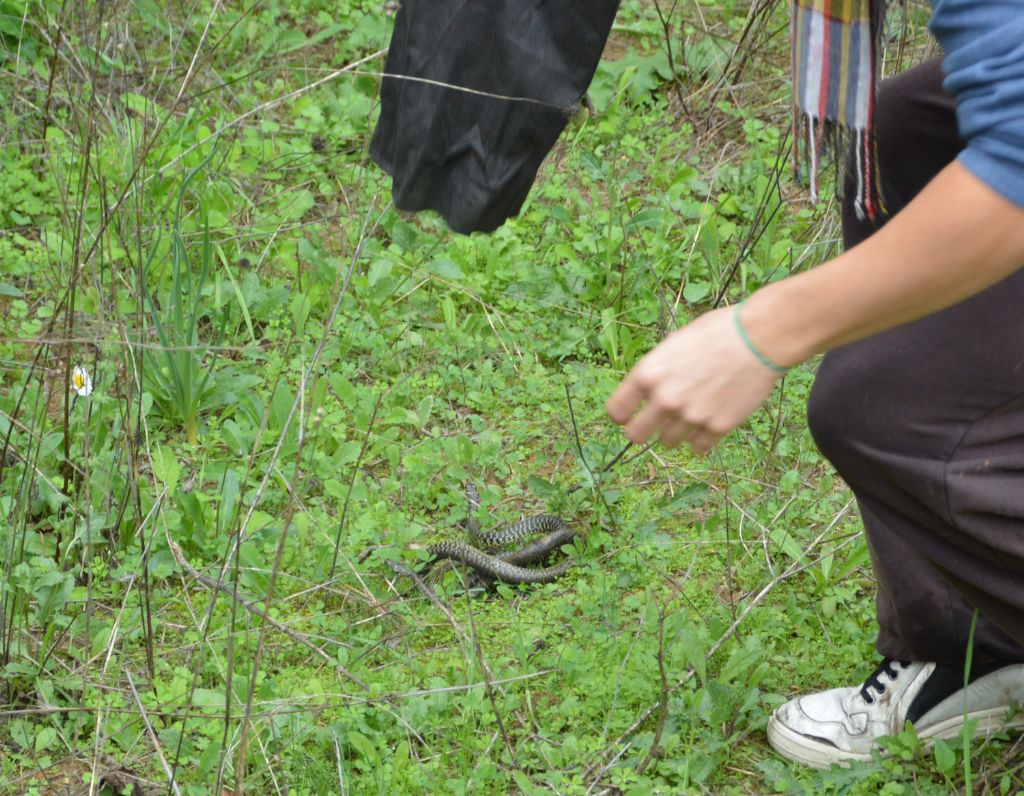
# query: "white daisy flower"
x,y
81,381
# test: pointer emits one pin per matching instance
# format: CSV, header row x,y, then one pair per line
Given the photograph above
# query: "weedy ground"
x,y
283,384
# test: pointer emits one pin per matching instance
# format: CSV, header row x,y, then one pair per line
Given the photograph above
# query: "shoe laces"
x,y
874,683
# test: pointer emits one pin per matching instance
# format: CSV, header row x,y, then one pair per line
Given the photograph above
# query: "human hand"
x,y
695,386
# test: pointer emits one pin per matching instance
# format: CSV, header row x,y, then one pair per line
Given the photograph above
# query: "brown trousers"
x,y
925,422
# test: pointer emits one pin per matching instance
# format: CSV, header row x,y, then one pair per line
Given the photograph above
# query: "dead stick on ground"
x,y
488,676
152,733
653,752
252,608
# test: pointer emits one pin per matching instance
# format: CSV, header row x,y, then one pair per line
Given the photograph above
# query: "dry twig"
x,y
252,608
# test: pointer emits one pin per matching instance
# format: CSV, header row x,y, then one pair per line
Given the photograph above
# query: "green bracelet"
x,y
750,344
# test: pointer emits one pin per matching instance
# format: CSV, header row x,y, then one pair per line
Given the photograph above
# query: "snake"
x,y
481,554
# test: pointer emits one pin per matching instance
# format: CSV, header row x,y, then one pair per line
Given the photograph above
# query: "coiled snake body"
x,y
510,566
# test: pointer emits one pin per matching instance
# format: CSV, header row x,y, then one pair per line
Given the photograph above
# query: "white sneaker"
x,y
844,724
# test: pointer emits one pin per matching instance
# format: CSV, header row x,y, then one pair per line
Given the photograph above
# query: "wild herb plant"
x,y
181,368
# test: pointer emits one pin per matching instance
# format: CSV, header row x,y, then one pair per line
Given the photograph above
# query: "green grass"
x,y
292,381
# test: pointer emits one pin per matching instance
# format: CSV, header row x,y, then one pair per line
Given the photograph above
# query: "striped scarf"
x,y
835,44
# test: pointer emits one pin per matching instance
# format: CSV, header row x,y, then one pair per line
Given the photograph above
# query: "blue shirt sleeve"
x,y
983,45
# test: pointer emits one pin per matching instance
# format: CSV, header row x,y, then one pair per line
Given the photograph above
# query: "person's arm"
x,y
955,239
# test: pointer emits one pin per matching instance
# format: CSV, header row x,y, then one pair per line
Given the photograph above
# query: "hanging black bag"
x,y
472,157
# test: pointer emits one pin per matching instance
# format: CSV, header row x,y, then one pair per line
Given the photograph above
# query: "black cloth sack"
x,y
469,157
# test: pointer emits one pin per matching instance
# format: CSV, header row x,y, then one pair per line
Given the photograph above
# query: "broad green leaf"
x,y
787,543
945,757
650,218
694,651
685,499
445,268
139,104
541,487
166,468
696,291
523,782
423,411
447,310
379,269
365,747
45,739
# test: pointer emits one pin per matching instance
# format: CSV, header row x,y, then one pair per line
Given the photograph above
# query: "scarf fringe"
x,y
822,144
835,63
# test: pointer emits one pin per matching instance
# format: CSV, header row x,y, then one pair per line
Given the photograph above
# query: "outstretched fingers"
x,y
675,432
624,402
646,423
695,386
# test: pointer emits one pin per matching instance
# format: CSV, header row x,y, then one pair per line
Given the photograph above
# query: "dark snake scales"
x,y
510,566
